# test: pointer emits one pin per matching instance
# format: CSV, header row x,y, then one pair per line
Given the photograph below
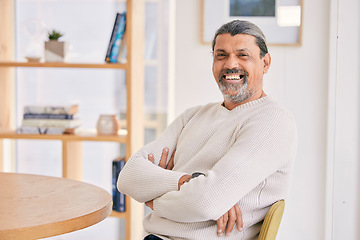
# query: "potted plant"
x,y
55,50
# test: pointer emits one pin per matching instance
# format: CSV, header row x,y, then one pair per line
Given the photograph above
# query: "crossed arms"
x,y
225,222
258,151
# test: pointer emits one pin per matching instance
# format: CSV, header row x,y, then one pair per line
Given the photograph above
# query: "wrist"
x,y
187,178
183,179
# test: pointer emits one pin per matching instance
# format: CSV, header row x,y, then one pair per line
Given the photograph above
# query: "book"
x,y
112,37
118,38
38,109
49,116
56,123
122,57
118,197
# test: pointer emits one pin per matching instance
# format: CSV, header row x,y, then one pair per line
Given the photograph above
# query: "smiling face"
x,y
238,68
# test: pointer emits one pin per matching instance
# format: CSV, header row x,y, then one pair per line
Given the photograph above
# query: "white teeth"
x,y
232,77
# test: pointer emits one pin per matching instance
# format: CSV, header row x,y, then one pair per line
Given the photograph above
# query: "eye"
x,y
243,55
221,55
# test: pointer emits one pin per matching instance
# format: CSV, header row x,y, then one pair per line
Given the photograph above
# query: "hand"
x,y
163,159
150,204
162,164
228,221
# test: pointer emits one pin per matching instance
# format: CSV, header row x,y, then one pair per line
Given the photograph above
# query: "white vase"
x,y
107,125
56,51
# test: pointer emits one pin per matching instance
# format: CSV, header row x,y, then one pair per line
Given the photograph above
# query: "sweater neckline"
x,y
245,105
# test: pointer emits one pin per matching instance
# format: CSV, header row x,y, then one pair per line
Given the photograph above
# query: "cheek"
x,y
215,71
254,70
255,77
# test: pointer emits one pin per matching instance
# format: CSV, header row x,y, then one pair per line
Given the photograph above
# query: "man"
x,y
216,159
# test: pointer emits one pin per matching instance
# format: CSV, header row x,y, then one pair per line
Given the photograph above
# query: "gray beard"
x,y
242,91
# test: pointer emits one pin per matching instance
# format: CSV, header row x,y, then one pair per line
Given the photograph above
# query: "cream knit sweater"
x,y
246,155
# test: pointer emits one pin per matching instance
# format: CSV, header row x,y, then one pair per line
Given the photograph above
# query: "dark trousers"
x,y
152,237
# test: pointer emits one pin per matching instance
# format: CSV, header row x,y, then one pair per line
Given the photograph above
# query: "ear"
x,y
267,62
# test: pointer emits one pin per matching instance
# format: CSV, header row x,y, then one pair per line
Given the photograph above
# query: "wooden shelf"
x,y
72,144
63,65
118,214
81,136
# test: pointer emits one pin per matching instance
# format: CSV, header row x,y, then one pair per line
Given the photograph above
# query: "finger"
x,y
220,225
164,156
226,218
151,158
231,221
239,220
170,164
224,222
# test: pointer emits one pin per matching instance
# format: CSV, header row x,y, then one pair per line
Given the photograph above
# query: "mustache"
x,y
233,70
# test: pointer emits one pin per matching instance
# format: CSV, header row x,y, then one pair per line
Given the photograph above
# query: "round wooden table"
x,y
33,206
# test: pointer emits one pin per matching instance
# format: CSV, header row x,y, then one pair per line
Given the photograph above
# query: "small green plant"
x,y
54,35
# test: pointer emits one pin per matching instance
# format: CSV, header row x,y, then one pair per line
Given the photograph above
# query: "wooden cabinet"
x,y
71,144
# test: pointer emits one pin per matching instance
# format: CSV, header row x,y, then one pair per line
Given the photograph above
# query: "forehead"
x,y
226,42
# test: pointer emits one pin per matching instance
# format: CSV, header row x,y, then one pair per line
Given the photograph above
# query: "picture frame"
x,y
280,20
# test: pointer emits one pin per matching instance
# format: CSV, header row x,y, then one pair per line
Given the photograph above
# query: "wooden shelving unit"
x,y
81,136
118,214
63,65
72,144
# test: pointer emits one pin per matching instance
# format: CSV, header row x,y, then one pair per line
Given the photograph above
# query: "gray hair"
x,y
243,27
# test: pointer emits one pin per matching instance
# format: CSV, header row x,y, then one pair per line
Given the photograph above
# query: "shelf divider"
x,y
61,65
81,136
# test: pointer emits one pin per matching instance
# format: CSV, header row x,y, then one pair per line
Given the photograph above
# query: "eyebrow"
x,y
238,50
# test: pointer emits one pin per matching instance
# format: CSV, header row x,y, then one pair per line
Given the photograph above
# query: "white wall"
x,y
194,83
298,78
343,128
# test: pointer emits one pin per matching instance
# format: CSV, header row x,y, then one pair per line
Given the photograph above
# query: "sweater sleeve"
x,y
263,146
143,180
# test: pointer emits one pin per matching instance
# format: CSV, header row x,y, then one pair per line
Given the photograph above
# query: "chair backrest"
x,y
272,221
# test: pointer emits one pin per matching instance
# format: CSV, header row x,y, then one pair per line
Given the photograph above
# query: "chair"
x,y
272,221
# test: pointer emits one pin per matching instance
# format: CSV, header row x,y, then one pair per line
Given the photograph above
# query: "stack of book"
x,y
118,197
116,51
50,120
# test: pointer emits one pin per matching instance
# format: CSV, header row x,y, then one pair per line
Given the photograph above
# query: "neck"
x,y
232,105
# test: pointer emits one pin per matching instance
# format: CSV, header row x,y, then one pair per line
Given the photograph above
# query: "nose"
x,y
231,62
